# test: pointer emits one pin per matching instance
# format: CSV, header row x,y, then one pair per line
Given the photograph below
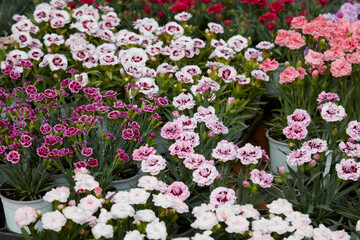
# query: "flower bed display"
x,y
92,97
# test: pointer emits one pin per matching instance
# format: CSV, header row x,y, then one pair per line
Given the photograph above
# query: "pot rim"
x,y
273,140
130,178
23,202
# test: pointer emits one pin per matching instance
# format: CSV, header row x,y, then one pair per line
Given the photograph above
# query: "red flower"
x,y
270,26
276,7
289,19
323,2
147,10
87,1
160,14
260,3
72,5
180,7
267,17
205,1
227,22
287,1
216,8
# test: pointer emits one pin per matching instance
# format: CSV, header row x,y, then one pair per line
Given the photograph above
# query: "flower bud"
x,y
72,203
316,156
97,191
176,114
230,100
335,132
282,169
245,183
287,64
211,134
313,162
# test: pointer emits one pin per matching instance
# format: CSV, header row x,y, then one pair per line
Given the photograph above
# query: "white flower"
x,y
280,206
278,225
146,215
238,43
53,221
120,210
156,230
134,235
57,61
322,233
90,203
104,216
224,212
24,216
138,196
60,194
340,235
358,226
205,221
204,236
102,230
237,224
248,211
148,183
119,197
76,214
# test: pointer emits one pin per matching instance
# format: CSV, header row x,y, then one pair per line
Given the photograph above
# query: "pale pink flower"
x,y
153,164
138,196
299,116
221,195
90,203
191,137
249,154
102,230
295,41
183,16
148,183
353,130
227,73
184,101
237,224
143,152
216,126
237,42
315,59
205,175
252,53
181,148
280,206
348,169
295,131
260,75
204,114
53,221
171,130
156,230
194,161
299,157
351,149
322,232
60,194
178,190
224,151
76,214
331,112
205,221
327,96
316,145
25,216
187,123
340,235
215,28
261,177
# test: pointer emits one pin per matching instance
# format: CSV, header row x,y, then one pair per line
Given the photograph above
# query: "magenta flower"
x,y
43,151
178,190
80,164
171,130
87,152
128,134
13,157
92,162
143,153
45,128
75,86
114,114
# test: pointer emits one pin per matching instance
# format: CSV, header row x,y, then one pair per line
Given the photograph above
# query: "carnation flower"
x,y
224,151
171,130
122,211
103,230
181,148
60,194
205,175
205,221
145,215
24,216
280,206
220,196
315,145
153,164
178,190
295,131
261,178
299,157
340,68
184,101
138,196
289,75
348,169
249,154
133,235
299,116
237,224
90,203
353,130
53,221
331,112
156,230
76,214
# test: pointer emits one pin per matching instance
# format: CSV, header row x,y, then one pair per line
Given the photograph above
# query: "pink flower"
x,y
224,151
324,97
75,86
249,154
187,123
92,162
348,169
114,114
171,130
353,57
340,68
316,145
13,157
45,128
191,137
143,153
221,195
31,89
90,203
205,175
331,112
194,161
299,116
127,134
269,65
295,41
260,75
334,53
261,178
25,216
204,114
216,126
314,59
87,152
298,22
299,157
153,164
178,190
184,101
351,149
295,131
289,75
181,148
43,151
353,130
227,73
53,221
